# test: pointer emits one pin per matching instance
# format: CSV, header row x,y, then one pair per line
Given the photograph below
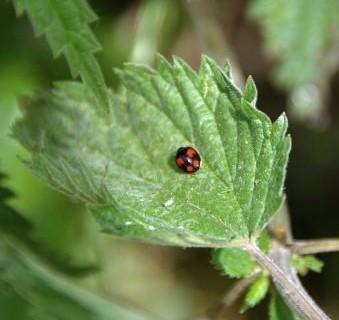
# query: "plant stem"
x,y
287,283
315,246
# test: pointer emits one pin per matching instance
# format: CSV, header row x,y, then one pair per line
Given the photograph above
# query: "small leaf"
x,y
305,263
235,263
125,170
250,91
278,309
264,241
256,293
65,24
313,263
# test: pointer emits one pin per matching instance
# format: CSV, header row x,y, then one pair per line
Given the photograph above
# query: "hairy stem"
x,y
287,283
315,246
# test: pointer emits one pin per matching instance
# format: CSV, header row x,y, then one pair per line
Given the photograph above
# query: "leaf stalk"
x,y
287,282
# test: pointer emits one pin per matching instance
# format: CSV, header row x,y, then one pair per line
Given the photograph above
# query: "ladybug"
x,y
188,159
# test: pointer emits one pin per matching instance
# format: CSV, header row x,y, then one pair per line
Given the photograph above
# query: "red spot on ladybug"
x,y
191,152
180,162
196,163
188,159
189,169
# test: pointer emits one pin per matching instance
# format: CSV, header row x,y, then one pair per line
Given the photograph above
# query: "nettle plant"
x,y
115,152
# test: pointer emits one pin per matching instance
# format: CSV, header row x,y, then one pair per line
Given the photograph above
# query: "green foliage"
x,y
257,292
264,241
233,262
65,24
297,32
305,263
237,263
30,289
10,221
278,310
313,263
125,170
250,91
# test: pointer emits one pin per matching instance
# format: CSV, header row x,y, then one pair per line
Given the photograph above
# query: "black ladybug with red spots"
x,y
188,159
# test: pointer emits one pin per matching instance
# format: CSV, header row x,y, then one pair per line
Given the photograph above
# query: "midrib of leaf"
x,y
79,53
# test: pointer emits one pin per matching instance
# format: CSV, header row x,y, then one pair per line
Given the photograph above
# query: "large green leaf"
x,y
65,24
125,170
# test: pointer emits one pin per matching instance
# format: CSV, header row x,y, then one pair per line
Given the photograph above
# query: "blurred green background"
x,y
180,284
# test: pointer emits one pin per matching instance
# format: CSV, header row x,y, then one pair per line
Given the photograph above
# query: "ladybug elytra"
x,y
188,159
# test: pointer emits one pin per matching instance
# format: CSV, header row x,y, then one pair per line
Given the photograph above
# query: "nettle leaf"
x,y
313,263
303,264
298,33
233,262
125,171
278,309
257,292
238,263
65,24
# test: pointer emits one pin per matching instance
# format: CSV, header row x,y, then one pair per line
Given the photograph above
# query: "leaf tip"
x,y
119,73
227,68
256,293
250,91
161,61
